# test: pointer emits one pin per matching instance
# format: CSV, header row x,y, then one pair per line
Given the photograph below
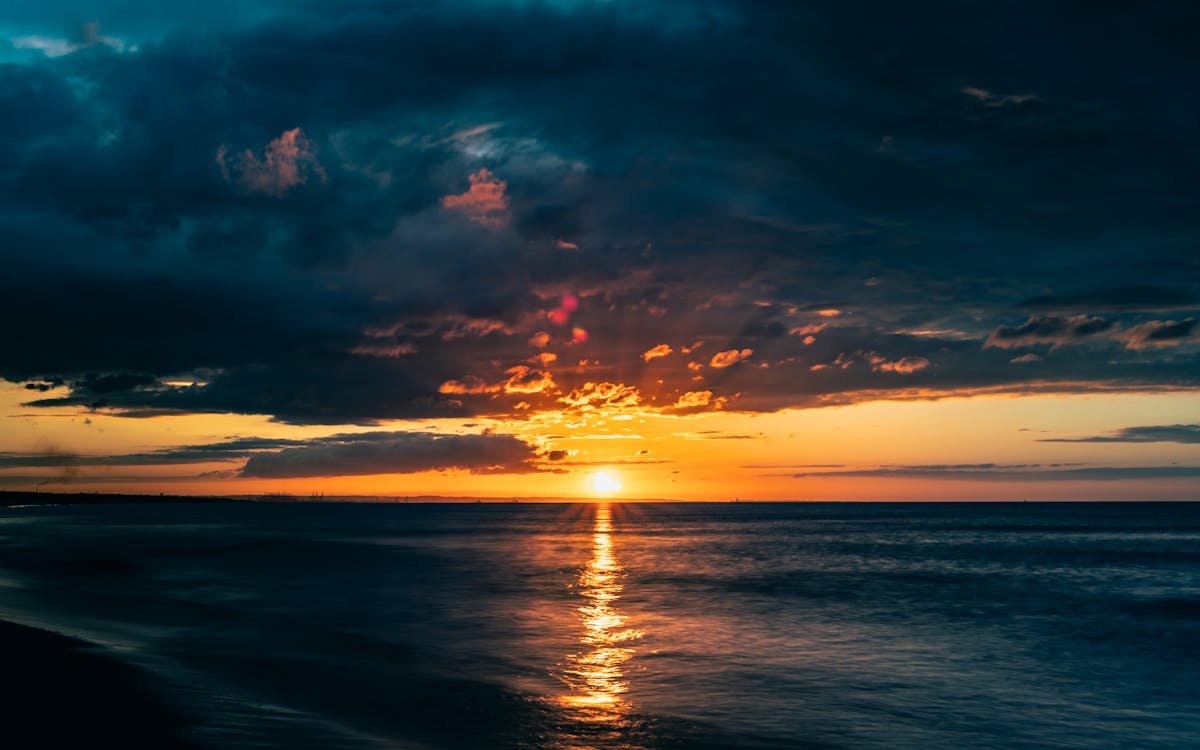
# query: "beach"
x,y
60,692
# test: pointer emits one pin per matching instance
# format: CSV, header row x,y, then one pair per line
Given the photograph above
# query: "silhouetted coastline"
x,y
9,498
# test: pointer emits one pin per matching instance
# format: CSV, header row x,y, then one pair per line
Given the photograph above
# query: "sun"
x,y
605,483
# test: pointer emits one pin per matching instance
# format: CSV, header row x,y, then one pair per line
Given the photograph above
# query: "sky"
x,y
694,250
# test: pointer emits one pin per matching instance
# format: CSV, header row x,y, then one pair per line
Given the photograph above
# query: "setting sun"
x,y
605,483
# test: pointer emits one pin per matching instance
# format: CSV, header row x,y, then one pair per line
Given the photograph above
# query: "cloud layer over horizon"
x,y
347,213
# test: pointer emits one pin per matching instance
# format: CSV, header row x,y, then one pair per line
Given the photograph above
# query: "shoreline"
x,y
60,691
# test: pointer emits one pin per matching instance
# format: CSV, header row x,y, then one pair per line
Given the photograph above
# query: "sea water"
x,y
747,625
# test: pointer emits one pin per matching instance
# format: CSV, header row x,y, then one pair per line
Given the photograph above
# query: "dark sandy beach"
x,y
61,692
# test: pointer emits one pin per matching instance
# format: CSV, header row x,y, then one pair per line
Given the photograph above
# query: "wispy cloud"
x,y
990,99
1009,472
1171,433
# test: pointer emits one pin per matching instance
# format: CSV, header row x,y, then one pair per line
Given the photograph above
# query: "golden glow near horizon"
x,y
595,675
716,455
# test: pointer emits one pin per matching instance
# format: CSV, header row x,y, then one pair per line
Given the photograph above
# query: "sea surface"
x,y
739,625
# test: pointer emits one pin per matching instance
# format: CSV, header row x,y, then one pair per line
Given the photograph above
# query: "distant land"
x,y
11,498
16,498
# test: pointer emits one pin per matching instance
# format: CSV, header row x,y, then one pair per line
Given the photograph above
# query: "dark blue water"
x,y
640,626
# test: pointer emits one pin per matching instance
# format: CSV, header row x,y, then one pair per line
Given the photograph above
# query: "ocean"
x,y
639,625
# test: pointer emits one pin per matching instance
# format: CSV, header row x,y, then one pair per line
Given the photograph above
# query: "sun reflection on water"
x,y
596,674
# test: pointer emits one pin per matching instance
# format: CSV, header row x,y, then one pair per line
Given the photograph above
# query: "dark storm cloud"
x,y
333,455
326,212
1049,329
395,453
229,450
314,389
1172,433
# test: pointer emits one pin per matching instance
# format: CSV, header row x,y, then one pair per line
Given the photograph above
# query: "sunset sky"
x,y
767,250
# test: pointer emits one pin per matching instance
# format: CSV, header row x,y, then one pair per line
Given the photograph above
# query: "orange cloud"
x,y
468,385
523,379
539,340
601,395
662,350
730,357
694,402
485,202
286,162
564,245
693,399
808,330
904,365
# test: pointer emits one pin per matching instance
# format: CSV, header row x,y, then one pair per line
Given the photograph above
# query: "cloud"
x,y
485,201
904,365
287,161
694,399
395,453
656,352
89,36
1158,333
469,384
695,402
526,380
135,269
808,329
462,326
1049,329
729,357
521,379
230,450
1173,433
385,350
989,99
604,395
1012,472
